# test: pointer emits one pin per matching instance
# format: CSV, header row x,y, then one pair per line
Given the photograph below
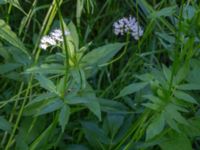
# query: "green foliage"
x,y
96,90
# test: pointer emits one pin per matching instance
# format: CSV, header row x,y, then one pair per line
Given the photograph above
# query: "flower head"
x,y
128,25
53,39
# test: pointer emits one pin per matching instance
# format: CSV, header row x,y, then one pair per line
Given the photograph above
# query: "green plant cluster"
x,y
97,90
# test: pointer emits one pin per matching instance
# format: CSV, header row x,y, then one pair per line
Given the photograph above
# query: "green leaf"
x,y
47,69
153,99
75,147
189,86
19,56
4,53
176,141
43,137
64,116
152,106
16,4
185,97
94,134
46,83
74,34
156,126
10,36
5,68
132,88
188,12
182,74
145,77
50,107
172,113
4,124
41,97
167,73
90,102
101,54
79,77
111,106
94,107
167,11
114,122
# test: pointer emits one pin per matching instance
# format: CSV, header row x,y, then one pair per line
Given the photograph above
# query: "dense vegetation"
x,y
99,74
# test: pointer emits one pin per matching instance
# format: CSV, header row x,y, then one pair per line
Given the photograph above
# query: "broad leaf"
x,y
101,54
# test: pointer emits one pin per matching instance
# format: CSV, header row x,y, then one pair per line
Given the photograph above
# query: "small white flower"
x,y
56,33
43,46
54,39
128,25
51,41
45,39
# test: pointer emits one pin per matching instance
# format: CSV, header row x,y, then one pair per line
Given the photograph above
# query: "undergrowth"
x,y
74,76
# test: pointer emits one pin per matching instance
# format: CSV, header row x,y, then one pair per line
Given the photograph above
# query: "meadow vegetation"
x,y
99,75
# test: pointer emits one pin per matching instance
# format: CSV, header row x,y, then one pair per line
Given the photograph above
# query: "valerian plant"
x,y
81,76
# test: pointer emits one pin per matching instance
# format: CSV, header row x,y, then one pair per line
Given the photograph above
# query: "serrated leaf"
x,y
132,88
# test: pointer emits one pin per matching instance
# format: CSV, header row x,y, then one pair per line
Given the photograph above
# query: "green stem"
x,y
19,115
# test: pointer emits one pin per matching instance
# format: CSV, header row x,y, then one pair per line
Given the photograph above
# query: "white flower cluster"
x,y
128,25
53,39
